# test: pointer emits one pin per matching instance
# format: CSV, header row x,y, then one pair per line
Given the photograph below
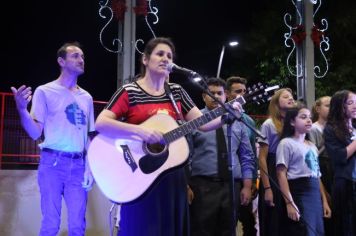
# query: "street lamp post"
x,y
220,61
231,44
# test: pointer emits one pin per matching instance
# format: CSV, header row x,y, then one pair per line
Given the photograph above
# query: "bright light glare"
x,y
233,43
197,79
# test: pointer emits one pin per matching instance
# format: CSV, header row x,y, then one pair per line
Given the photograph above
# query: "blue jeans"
x,y
61,176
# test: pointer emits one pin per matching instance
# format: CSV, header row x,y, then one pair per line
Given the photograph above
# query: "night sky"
x,y
32,31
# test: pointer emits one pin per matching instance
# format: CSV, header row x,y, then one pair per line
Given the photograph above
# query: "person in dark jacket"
x,y
340,143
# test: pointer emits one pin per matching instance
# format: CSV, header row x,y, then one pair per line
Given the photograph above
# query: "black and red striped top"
x,y
134,105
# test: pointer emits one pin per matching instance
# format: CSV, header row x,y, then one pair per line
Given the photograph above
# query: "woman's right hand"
x,y
149,135
269,197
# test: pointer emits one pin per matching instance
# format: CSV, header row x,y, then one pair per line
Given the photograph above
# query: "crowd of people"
x,y
307,182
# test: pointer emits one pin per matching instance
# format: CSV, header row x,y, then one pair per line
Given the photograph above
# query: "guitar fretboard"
x,y
194,124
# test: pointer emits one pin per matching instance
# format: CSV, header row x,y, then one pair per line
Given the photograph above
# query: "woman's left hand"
x,y
238,108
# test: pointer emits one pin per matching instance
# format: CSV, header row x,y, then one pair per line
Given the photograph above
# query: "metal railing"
x,y
17,149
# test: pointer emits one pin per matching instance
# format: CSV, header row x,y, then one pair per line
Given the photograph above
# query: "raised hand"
x,y
23,96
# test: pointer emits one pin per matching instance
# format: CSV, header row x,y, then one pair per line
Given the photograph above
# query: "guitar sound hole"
x,y
155,148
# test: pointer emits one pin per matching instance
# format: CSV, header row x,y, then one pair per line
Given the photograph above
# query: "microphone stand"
x,y
228,118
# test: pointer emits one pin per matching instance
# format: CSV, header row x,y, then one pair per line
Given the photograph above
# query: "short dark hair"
x,y
235,80
62,51
216,82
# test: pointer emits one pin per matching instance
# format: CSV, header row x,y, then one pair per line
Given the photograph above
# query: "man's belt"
x,y
213,178
72,155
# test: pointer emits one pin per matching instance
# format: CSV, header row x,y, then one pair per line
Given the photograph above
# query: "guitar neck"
x,y
192,125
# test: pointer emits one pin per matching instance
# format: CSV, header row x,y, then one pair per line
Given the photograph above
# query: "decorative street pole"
x,y
305,57
125,45
302,37
126,57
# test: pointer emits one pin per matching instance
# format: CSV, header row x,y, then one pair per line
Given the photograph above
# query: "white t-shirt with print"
x,y
300,159
67,116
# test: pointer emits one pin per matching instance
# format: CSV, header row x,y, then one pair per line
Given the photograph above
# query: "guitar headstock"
x,y
260,93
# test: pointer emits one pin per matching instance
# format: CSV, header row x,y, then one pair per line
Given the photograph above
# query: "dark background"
x,y
32,31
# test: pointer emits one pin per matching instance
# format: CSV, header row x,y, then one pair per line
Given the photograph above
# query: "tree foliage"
x,y
267,53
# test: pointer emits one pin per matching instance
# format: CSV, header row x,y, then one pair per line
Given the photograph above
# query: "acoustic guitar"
x,y
125,167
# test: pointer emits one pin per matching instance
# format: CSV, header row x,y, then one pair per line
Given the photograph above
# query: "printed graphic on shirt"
x,y
312,161
75,115
162,111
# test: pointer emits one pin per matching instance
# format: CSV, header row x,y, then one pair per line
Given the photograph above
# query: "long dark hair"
x,y
337,118
289,130
151,45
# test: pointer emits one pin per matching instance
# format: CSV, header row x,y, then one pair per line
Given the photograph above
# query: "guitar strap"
x,y
170,95
181,121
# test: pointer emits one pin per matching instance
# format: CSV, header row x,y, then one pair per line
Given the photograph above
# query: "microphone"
x,y
171,67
